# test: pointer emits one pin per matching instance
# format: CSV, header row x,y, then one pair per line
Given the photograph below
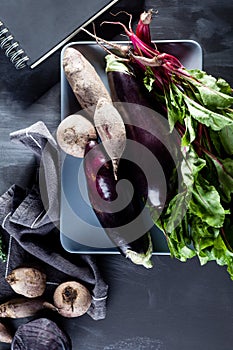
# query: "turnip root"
x,y
27,281
83,79
5,335
71,299
21,307
73,133
111,130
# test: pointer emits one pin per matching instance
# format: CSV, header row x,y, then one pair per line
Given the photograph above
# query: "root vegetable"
x,y
199,107
21,307
71,299
40,334
5,335
27,281
73,133
111,130
83,79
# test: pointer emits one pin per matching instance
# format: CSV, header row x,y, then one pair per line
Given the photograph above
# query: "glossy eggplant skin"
x,y
150,129
101,186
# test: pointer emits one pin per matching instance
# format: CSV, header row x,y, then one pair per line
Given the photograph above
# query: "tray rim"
x,y
62,77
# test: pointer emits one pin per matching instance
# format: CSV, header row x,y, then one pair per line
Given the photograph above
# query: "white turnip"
x,y
71,299
73,133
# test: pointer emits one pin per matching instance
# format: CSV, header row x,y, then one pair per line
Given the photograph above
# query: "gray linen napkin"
x,y
31,219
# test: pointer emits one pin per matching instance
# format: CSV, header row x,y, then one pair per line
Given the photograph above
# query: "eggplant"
x,y
148,128
116,207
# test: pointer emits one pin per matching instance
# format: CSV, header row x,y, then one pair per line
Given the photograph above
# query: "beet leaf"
x,y
198,220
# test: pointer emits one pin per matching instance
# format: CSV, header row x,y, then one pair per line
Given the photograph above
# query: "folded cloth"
x,y
30,219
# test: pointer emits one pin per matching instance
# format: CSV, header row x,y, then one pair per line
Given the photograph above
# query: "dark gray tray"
x,y
79,227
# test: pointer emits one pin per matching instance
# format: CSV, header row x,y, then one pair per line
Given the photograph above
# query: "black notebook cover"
x,y
31,30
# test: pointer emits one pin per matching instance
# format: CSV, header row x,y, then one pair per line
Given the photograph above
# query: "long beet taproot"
x,y
117,211
21,307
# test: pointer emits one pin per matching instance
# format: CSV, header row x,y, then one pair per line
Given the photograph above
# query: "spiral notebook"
x,y
31,30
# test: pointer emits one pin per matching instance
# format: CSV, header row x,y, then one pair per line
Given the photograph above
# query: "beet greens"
x,y
198,220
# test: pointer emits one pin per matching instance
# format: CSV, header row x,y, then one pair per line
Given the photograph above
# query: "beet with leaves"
x,y
198,220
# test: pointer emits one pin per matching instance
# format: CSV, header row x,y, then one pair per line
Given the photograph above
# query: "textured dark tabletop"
x,y
174,306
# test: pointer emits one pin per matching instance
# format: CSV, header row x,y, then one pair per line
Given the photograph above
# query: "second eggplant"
x,y
148,128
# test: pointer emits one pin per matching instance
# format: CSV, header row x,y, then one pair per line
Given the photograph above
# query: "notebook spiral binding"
x,y
12,48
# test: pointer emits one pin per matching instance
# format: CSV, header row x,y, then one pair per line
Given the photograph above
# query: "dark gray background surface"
x,y
174,306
